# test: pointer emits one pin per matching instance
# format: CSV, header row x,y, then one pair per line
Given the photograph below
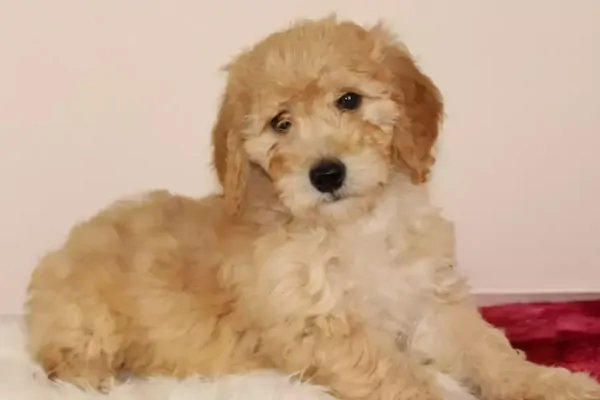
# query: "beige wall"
x,y
100,99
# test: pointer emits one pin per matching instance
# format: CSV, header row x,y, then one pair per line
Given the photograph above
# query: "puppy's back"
x,y
127,284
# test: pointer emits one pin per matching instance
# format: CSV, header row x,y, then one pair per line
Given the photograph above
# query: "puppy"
x,y
323,255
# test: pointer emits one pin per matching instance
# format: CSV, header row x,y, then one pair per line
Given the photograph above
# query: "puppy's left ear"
x,y
416,131
229,156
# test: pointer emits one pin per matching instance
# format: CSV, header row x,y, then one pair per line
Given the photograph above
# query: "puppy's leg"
x,y
338,352
466,347
74,354
71,333
79,366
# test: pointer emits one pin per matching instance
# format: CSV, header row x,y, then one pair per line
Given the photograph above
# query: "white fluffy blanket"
x,y
20,379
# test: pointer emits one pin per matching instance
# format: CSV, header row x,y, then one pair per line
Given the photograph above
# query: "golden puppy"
x,y
323,256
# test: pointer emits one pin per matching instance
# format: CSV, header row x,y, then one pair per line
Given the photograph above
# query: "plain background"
x,y
100,99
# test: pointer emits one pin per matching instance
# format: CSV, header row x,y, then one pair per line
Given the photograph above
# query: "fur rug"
x,y
20,379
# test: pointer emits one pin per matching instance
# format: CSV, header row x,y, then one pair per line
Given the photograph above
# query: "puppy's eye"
x,y
349,101
281,124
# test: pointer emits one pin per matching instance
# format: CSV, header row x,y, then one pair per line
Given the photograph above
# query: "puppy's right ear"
x,y
416,133
229,156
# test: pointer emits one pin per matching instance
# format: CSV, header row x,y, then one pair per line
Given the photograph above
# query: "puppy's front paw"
x,y
560,384
581,386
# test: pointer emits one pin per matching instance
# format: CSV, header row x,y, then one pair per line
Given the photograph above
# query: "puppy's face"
x,y
330,111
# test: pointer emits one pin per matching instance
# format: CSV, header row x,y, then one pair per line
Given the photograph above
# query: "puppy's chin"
x,y
334,208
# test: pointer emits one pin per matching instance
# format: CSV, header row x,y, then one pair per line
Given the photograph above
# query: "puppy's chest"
x,y
375,276
384,268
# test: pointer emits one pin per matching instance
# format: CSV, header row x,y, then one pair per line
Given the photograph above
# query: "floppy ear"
x,y
229,156
417,130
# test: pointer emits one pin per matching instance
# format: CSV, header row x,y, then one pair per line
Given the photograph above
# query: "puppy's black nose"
x,y
328,175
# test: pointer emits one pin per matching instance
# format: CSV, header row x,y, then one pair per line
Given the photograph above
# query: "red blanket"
x,y
562,334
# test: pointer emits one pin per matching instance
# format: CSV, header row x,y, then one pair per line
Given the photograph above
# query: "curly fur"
x,y
355,292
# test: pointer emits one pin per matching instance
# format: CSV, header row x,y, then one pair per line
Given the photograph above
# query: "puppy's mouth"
x,y
335,197
348,193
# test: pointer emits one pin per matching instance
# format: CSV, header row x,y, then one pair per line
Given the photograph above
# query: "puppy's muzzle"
x,y
328,175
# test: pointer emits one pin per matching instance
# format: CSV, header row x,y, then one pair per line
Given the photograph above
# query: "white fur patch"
x,y
452,389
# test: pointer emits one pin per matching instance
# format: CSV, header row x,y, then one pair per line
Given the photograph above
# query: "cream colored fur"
x,y
354,289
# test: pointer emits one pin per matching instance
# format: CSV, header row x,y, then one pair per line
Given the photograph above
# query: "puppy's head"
x,y
330,111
